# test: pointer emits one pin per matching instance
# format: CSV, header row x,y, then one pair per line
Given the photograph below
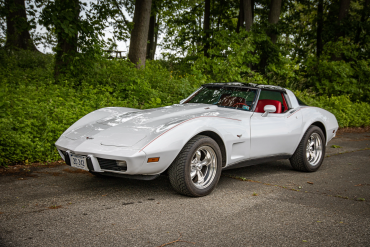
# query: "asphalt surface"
x,y
264,205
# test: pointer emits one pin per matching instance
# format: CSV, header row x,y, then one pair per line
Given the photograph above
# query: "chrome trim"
x,y
203,167
314,149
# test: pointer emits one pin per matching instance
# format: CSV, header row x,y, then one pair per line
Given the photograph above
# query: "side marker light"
x,y
153,159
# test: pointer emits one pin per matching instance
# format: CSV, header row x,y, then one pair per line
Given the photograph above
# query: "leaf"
x,y
336,146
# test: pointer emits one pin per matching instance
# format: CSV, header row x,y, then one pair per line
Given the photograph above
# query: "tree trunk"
x,y
365,13
156,35
253,4
248,18
151,34
320,21
139,35
206,22
343,13
240,17
343,10
66,48
273,18
17,31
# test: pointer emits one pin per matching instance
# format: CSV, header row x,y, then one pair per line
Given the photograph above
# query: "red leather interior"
x,y
263,102
285,105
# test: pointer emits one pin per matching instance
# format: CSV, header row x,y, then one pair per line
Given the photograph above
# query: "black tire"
x,y
181,168
299,160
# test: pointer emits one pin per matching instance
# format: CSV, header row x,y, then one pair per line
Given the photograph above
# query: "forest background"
x,y
319,49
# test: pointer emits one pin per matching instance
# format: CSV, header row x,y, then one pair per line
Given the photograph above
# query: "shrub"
x,y
35,111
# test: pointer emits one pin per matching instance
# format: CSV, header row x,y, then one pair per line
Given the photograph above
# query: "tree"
x,y
206,26
248,14
63,16
18,28
66,48
151,38
343,13
273,18
320,21
139,34
364,15
153,29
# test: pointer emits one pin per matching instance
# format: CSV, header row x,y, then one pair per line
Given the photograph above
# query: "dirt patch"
x,y
55,174
75,170
353,130
27,168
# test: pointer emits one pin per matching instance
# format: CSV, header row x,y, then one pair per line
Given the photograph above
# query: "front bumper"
x,y
106,163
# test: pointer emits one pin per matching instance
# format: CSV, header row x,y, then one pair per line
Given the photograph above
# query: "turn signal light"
x,y
153,159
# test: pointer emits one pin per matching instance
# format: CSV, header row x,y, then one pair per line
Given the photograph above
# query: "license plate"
x,y
78,161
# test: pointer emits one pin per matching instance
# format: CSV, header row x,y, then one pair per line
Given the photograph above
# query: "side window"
x,y
273,95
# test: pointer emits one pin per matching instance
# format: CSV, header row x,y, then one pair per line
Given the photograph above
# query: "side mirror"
x,y
182,101
268,109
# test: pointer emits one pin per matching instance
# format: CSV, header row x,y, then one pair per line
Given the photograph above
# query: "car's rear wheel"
x,y
197,168
310,152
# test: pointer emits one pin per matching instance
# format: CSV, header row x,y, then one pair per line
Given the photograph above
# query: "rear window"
x,y
265,94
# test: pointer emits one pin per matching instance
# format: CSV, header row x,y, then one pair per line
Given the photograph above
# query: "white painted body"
x,y
133,135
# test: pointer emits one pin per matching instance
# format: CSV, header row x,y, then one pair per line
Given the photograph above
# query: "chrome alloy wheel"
x,y
203,167
314,149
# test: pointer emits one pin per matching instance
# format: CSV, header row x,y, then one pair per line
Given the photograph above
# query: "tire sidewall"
x,y
203,142
310,131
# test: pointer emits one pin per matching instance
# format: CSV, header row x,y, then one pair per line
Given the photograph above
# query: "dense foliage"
x,y
34,110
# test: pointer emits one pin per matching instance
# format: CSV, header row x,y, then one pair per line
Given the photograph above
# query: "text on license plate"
x,y
78,161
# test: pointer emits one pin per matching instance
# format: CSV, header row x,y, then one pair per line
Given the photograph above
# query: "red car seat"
x,y
263,102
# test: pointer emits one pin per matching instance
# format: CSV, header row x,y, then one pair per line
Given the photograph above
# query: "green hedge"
x,y
348,113
34,110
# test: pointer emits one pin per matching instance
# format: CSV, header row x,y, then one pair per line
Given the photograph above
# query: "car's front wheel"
x,y
310,152
197,168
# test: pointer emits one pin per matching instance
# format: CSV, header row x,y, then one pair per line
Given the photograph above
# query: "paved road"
x,y
273,206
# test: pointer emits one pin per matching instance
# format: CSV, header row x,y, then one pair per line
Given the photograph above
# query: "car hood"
x,y
127,129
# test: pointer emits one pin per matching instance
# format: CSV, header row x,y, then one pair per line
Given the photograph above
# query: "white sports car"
x,y
220,126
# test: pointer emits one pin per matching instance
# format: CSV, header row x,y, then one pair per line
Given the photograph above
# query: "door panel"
x,y
275,134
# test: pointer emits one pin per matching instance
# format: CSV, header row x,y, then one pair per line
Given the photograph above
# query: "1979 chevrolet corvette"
x,y
220,126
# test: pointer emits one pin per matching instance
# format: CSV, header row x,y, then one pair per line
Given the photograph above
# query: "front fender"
x,y
169,144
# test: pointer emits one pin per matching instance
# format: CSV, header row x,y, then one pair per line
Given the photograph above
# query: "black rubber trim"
x,y
89,163
66,157
251,162
137,177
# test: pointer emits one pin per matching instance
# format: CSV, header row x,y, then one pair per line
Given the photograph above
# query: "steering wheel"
x,y
236,104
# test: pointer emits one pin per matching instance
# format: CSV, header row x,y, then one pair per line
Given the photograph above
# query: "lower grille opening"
x,y
107,164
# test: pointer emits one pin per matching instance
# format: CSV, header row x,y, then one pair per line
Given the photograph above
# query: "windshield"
x,y
229,97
